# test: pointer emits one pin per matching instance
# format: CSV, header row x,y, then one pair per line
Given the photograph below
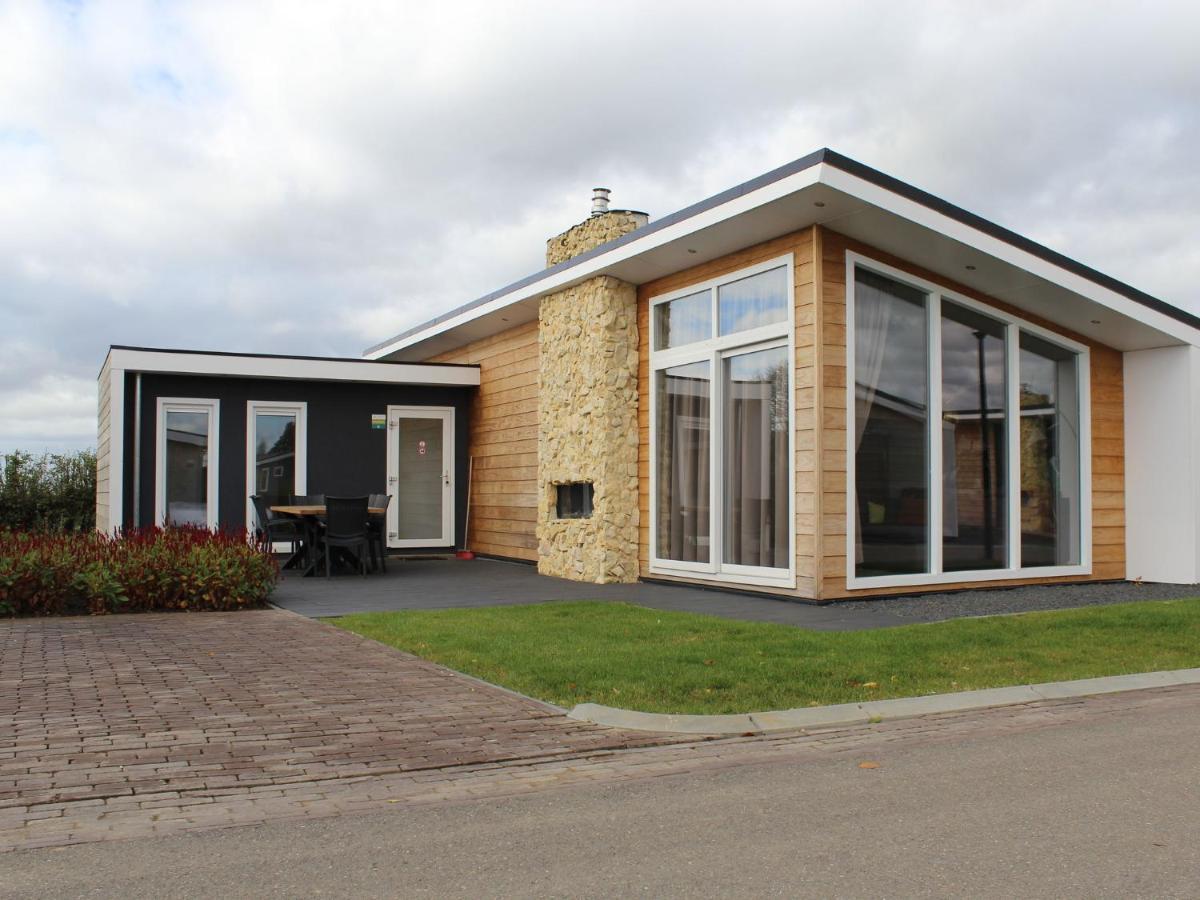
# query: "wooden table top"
x,y
318,510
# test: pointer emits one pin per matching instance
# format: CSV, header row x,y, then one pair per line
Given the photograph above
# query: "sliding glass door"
x,y
756,426
721,498
968,439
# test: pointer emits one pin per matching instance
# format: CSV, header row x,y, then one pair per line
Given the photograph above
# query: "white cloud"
x,y
311,178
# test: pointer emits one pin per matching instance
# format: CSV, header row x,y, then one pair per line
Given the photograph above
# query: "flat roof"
x,y
649,236
219,363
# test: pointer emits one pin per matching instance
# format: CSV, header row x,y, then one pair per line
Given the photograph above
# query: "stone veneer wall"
x,y
587,417
592,233
587,431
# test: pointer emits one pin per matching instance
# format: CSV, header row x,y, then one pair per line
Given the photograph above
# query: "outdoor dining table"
x,y
309,517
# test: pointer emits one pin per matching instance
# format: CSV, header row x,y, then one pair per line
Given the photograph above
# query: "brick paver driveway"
x,y
126,725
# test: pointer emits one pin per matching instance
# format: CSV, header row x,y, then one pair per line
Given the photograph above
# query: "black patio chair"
x,y
308,499
346,529
272,527
377,528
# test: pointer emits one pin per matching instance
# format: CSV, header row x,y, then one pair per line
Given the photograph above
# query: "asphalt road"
x,y
1105,807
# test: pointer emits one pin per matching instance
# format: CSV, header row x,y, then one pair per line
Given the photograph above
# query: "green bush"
x,y
140,570
51,492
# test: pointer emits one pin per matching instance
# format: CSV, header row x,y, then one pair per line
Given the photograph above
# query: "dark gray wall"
x,y
345,455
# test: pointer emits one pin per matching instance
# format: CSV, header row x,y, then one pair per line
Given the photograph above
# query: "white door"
x,y
420,468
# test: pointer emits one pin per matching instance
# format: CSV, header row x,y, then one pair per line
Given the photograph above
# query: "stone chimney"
x,y
602,226
587,412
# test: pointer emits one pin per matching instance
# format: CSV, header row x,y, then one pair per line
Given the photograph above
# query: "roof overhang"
x,y
828,189
306,368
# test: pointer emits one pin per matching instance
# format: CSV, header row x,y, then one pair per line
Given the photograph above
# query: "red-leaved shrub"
x,y
139,570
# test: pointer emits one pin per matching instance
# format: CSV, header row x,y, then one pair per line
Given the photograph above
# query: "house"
x,y
823,383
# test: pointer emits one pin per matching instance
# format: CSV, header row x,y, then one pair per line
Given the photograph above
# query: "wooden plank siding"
x,y
1108,431
504,423
503,441
800,244
103,446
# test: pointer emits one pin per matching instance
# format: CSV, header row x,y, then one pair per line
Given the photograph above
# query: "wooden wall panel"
x,y
800,244
1108,431
103,446
503,441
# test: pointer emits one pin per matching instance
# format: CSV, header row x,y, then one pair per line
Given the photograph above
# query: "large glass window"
x,y
722,427
684,320
187,468
276,452
891,427
753,302
946,422
684,437
1050,441
974,465
756,459
186,463
275,456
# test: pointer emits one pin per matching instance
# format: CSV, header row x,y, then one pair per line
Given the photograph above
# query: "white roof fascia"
x,y
597,265
985,243
189,363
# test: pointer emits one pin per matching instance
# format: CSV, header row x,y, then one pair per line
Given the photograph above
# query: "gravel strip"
x,y
936,607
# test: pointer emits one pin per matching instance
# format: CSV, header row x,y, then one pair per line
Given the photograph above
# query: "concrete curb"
x,y
877,710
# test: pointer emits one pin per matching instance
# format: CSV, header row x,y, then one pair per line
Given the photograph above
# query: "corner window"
x,y
721,406
967,448
186,462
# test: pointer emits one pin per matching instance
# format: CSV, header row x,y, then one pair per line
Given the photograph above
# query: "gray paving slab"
x,y
451,583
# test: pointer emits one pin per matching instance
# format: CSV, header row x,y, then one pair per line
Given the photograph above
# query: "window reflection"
x,y
275,456
974,463
1050,449
891,402
756,459
187,462
683,457
753,302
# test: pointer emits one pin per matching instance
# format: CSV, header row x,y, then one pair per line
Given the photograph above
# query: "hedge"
x,y
51,492
140,570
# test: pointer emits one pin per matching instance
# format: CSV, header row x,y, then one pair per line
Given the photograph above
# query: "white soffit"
x,y
855,207
934,241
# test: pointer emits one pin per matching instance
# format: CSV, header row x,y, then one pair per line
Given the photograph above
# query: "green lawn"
x,y
637,658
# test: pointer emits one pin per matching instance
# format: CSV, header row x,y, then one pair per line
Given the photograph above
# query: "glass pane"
x,y
684,320
187,468
753,302
974,464
275,456
420,472
683,439
756,459
891,414
1050,481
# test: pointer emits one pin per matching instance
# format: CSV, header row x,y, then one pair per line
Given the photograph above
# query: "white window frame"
x,y
254,408
715,351
1014,325
192,405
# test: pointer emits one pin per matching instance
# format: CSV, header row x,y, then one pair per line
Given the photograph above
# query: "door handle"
x,y
446,476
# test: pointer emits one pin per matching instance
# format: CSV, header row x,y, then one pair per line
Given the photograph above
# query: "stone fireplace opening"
x,y
574,500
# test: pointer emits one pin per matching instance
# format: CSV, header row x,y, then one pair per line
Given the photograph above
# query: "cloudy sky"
x,y
313,177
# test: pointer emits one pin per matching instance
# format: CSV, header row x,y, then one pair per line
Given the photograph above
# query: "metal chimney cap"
x,y
600,201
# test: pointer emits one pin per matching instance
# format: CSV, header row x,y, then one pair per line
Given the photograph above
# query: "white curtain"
x,y
872,317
